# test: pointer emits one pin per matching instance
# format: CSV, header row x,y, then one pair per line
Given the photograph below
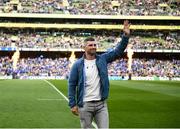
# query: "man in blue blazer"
x,y
88,84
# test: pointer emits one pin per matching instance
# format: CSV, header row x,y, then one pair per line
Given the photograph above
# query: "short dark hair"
x,y
89,39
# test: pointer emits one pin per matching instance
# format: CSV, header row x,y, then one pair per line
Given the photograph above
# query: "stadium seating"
x,y
61,66
75,40
94,7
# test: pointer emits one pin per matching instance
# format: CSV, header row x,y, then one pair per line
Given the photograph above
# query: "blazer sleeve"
x,y
72,84
118,51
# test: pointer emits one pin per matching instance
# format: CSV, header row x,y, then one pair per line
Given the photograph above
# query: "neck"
x,y
89,57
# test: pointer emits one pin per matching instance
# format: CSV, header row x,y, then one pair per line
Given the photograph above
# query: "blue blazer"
x,y
76,82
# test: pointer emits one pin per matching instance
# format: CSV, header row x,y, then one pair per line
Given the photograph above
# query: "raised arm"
x,y
118,51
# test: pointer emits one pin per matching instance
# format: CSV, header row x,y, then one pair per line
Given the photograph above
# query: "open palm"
x,y
126,28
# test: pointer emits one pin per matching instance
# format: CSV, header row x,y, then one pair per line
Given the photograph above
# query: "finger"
x,y
74,110
75,113
129,25
126,22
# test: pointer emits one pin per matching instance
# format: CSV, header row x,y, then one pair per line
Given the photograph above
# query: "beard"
x,y
92,52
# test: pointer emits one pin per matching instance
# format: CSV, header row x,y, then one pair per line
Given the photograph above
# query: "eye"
x,y
90,45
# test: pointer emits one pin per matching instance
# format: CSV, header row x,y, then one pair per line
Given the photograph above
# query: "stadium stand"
x,y
60,67
94,7
105,40
46,32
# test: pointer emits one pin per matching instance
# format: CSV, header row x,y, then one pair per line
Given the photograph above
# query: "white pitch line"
x,y
94,124
57,90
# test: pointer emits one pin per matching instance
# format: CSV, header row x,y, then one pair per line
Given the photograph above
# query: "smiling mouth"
x,y
92,52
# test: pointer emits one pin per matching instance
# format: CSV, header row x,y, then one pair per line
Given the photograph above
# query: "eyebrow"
x,y
92,44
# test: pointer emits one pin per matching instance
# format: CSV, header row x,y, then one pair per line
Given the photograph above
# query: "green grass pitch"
x,y
132,104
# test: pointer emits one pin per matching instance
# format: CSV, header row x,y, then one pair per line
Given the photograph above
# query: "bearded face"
x,y
90,48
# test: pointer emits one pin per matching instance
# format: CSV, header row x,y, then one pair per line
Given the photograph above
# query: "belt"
x,y
95,101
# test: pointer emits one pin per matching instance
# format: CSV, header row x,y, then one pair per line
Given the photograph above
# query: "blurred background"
x,y
45,32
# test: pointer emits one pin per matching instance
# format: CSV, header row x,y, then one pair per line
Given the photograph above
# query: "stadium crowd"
x,y
146,67
60,67
35,66
66,40
96,7
124,7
